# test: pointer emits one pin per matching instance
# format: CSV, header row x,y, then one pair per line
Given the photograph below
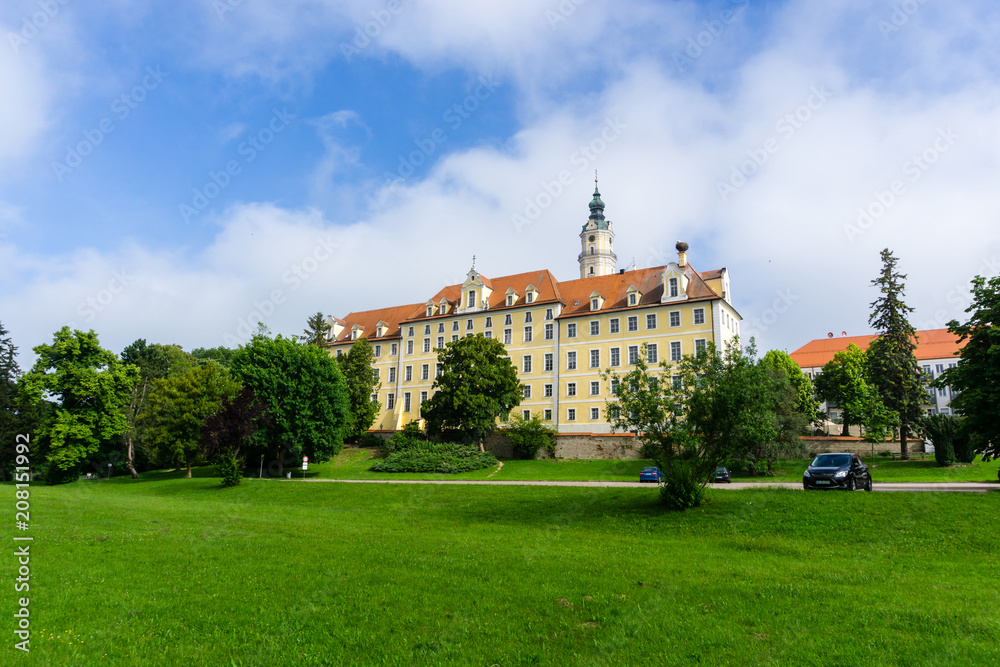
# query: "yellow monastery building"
x,y
559,334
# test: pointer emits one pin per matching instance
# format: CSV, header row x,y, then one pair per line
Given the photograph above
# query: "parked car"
x,y
722,474
650,474
838,470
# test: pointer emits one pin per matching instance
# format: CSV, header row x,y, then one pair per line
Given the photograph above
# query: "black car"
x,y
722,474
837,471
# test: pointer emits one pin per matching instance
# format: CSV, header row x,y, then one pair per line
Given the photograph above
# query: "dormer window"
x,y
430,310
529,297
634,296
510,299
673,287
596,301
443,310
595,304
632,299
472,299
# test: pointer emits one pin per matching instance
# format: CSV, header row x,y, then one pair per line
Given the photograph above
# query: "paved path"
x,y
965,487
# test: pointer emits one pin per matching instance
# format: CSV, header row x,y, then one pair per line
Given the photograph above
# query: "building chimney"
x,y
682,258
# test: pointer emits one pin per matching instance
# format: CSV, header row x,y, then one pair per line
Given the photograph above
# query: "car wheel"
x,y
868,486
850,484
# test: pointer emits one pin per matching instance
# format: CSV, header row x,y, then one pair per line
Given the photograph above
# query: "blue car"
x,y
650,475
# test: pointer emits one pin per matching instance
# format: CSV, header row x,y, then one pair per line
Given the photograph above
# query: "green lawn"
x,y
174,572
354,463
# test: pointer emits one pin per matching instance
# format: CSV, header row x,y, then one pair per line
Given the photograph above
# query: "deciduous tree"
x,y
478,384
152,364
227,433
976,377
362,383
91,390
891,359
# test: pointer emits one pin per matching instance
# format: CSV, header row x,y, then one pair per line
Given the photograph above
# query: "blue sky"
x,y
172,171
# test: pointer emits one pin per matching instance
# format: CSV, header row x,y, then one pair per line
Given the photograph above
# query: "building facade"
x,y
936,351
560,335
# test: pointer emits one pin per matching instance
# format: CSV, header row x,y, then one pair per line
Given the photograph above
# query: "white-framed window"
x,y
408,374
633,323
375,374
595,304
527,317
571,414
508,336
675,318
468,325
392,374
529,297
409,346
547,362
375,397
489,322
526,414
571,389
595,388
340,353
673,286
472,298
675,350
526,392
571,361
549,331
427,345
615,383
595,414
378,350
651,355
526,364
632,299
595,327
440,327
454,337
633,354
510,299
651,321
548,313
595,358
614,325
430,310
425,370
440,342
616,357
677,381
454,325
423,399
508,320
393,350
548,415
438,370
547,390
427,330
699,315
488,334
570,331
406,401
409,332
390,401
700,346
527,334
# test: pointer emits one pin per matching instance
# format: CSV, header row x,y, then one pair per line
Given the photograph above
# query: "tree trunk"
x,y
903,453
846,430
130,456
188,475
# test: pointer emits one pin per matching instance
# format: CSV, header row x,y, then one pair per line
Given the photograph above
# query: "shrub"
x,y
422,456
681,489
371,440
530,436
963,445
942,430
884,453
230,469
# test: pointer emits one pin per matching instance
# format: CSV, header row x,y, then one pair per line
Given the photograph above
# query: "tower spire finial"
x,y
473,262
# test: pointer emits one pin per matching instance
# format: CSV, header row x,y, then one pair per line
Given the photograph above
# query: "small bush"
x,y
681,490
371,440
230,469
963,445
422,456
530,436
884,453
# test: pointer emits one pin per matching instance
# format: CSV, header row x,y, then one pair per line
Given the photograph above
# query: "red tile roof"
x,y
931,344
614,289
369,319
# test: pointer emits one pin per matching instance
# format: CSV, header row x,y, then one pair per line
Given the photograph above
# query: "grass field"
x,y
167,571
354,464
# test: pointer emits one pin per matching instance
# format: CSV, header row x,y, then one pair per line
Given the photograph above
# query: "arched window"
x,y
592,251
591,270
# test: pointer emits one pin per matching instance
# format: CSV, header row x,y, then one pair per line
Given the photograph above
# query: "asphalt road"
x,y
960,487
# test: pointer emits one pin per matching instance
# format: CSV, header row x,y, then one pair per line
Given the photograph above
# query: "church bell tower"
x,y
597,257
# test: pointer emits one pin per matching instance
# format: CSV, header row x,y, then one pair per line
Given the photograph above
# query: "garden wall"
x,y
837,443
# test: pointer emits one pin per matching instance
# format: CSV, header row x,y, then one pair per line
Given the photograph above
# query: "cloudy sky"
x,y
179,171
